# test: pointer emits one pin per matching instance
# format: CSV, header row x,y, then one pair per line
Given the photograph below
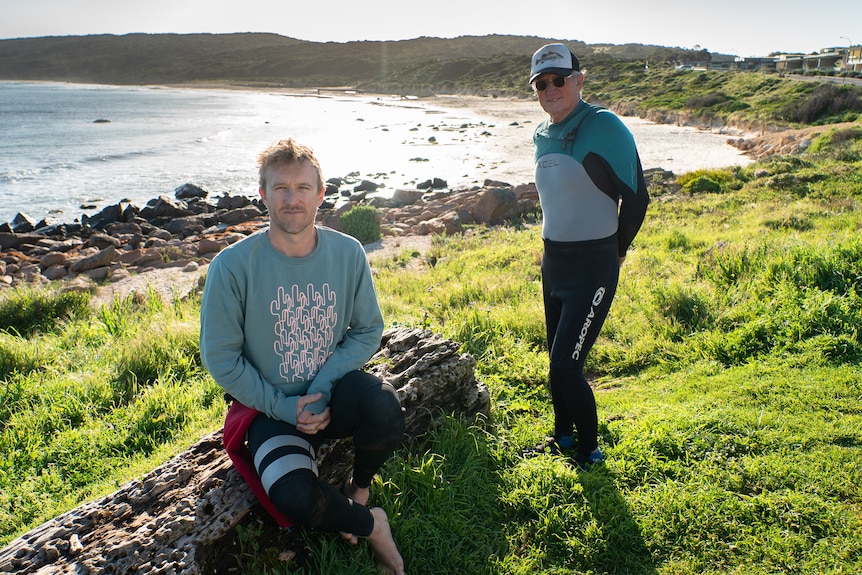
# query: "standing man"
x,y
289,316
594,198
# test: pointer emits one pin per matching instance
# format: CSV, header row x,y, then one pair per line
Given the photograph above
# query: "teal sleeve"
x,y
221,346
360,342
614,142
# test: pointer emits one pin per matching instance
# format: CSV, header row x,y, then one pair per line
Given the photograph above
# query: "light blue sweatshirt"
x,y
274,328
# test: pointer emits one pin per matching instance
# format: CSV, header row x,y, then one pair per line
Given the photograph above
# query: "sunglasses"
x,y
558,82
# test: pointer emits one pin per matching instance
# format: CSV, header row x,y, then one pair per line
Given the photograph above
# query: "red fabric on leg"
x,y
236,422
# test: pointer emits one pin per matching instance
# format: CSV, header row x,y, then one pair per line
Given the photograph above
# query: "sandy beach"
x,y
491,138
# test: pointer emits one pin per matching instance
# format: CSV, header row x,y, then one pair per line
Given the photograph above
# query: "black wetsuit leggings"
x,y
579,280
361,407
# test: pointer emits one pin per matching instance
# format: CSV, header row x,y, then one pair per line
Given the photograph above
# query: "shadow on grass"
x,y
623,549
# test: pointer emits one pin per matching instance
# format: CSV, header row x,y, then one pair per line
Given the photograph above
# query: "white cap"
x,y
553,59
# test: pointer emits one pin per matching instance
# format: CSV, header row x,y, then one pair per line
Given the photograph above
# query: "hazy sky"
x,y
741,27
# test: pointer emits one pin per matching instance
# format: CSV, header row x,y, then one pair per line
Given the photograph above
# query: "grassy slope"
x,y
727,382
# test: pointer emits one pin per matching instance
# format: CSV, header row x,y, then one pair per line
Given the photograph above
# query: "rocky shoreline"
x,y
187,231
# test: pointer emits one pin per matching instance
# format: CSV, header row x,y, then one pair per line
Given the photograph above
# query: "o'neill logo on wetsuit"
x,y
597,299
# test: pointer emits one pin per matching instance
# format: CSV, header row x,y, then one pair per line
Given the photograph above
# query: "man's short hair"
x,y
285,153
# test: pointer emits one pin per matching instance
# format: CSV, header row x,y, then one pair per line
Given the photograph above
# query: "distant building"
x,y
755,64
854,59
830,59
788,62
826,59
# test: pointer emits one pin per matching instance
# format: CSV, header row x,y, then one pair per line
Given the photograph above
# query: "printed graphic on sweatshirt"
x,y
304,330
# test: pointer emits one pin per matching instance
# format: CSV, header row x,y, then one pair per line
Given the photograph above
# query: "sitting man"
x,y
289,316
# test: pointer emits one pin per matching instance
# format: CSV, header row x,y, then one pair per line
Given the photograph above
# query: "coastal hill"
x,y
468,62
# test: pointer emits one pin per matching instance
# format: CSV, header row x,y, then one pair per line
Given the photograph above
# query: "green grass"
x,y
727,376
732,97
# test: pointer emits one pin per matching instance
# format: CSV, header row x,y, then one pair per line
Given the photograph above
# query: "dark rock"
x,y
209,246
232,202
407,197
366,186
494,206
164,207
240,215
166,223
56,272
22,223
103,258
54,230
52,259
103,241
435,184
189,225
10,241
46,223
188,191
120,212
124,228
159,233
67,245
141,257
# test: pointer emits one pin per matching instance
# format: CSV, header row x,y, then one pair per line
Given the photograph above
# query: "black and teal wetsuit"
x,y
594,198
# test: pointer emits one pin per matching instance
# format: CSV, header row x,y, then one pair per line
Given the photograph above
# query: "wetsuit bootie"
x,y
551,446
586,462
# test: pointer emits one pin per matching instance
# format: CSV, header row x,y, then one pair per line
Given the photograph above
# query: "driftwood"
x,y
178,518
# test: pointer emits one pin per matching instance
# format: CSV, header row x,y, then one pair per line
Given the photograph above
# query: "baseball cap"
x,y
553,59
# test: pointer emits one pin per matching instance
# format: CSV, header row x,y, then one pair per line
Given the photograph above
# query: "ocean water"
x,y
57,160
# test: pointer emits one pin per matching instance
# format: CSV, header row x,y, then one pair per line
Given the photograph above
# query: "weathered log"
x,y
176,518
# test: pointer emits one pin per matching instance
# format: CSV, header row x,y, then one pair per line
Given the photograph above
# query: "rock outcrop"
x,y
180,518
173,232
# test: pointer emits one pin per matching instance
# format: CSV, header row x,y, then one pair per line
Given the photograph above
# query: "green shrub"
x,y
835,139
827,100
361,223
27,312
706,100
702,184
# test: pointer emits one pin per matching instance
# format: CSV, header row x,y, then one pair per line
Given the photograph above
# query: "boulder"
x,y
239,215
13,240
495,205
22,223
188,191
405,197
102,258
164,207
120,212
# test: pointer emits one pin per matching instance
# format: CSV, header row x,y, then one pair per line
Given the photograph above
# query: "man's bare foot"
x,y
359,495
383,545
